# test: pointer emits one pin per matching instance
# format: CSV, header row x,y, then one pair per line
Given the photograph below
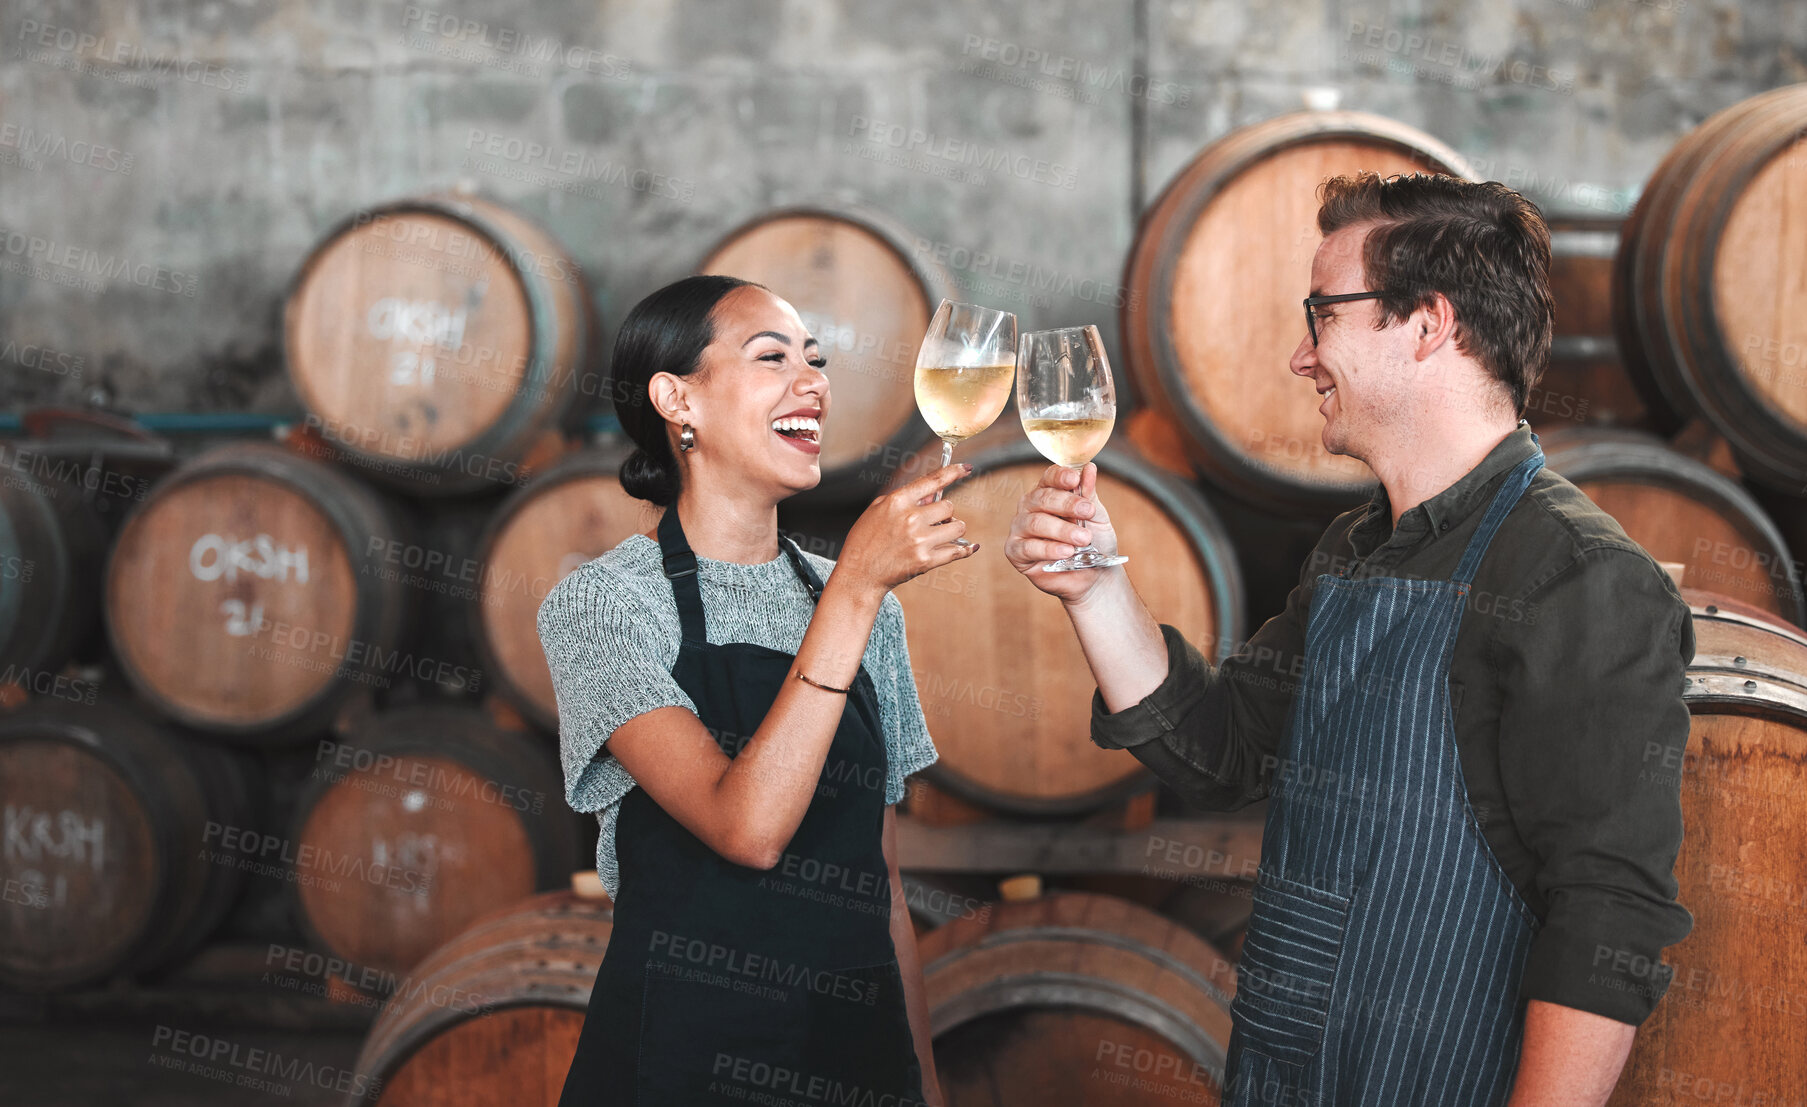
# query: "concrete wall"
x,y
191,153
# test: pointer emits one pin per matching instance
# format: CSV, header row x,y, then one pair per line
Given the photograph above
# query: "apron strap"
x,y
1503,502
808,575
680,569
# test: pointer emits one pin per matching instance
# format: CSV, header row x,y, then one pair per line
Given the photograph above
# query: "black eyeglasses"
x,y
1311,318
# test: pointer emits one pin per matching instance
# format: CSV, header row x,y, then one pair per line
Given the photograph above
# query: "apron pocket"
x,y
860,1034
708,1038
717,1038
1288,967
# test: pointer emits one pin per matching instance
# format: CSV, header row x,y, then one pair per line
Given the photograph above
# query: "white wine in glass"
x,y
960,401
1070,442
963,373
1068,404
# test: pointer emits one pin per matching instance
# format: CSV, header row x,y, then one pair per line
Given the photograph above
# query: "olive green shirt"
x,y
1566,687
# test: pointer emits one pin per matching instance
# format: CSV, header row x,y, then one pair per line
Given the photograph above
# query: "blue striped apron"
x,y
1382,962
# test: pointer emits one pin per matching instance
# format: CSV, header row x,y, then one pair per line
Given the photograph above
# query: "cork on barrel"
x,y
246,596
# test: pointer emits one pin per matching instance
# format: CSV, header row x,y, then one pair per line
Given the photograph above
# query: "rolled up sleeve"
x,y
1592,719
1213,735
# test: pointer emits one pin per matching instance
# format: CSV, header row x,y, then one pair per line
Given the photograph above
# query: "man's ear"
x,y
1432,325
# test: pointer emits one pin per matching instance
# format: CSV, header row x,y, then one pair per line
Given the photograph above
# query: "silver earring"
x,y
687,438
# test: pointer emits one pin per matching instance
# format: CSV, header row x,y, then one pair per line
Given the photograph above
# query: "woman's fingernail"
x,y
969,465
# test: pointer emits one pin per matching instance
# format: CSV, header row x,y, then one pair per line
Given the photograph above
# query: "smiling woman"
x,y
740,728
865,286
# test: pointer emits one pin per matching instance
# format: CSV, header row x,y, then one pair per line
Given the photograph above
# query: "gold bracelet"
x,y
819,684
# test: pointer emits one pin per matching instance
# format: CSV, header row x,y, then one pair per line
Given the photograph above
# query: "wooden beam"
x,y
1177,849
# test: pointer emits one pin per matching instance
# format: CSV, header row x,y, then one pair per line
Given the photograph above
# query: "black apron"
x,y
729,984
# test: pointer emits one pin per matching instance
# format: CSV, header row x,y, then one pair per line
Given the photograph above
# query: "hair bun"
x,y
645,477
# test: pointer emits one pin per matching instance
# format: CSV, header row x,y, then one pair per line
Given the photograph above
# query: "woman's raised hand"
x,y
905,533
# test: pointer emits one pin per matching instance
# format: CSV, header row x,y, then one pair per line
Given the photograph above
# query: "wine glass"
x,y
1068,404
963,373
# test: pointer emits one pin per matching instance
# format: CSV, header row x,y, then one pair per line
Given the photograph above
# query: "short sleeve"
x,y
609,664
908,748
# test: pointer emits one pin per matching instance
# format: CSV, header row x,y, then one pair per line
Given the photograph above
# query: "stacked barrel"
x,y
338,699
271,741
435,340
1740,866
1708,303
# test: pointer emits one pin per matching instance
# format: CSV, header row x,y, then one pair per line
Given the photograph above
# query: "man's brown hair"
x,y
1481,244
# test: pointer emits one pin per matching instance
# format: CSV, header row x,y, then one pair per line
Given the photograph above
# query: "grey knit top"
x,y
610,632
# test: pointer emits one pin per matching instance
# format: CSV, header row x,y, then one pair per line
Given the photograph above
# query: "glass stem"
x,y
1088,547
947,457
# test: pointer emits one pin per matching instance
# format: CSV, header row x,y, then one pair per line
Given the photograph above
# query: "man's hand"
x,y
1055,518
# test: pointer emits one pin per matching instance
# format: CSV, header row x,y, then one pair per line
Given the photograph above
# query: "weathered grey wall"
x,y
192,152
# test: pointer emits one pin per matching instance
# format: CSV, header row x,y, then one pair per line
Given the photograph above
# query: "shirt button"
x,y
1444,525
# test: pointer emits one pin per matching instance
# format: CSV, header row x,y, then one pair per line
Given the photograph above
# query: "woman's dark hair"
x,y
665,333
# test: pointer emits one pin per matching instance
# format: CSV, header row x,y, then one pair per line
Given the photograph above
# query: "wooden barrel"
x,y
1217,909
434,339
1722,1032
1004,685
251,594
493,1015
570,513
1154,435
1682,510
52,546
1219,266
418,821
867,296
1072,998
112,859
1708,305
1586,381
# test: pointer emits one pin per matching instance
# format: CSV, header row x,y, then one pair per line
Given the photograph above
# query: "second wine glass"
x,y
1068,404
963,373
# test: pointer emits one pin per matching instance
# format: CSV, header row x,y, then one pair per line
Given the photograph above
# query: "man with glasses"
x,y
1459,721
